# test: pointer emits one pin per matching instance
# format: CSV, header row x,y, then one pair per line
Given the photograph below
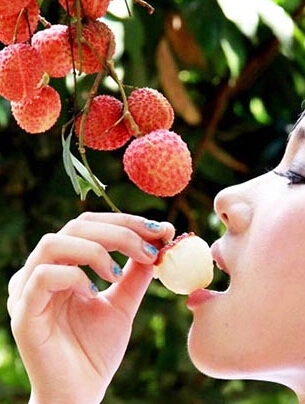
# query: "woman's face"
x,y
256,328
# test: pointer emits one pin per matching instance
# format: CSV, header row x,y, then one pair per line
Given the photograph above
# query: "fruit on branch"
x,y
96,45
54,48
39,113
104,128
23,24
20,71
159,163
89,8
185,264
150,110
9,7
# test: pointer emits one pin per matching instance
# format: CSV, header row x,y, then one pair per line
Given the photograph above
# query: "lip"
x,y
200,296
218,258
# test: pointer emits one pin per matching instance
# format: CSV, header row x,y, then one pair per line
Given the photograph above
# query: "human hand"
x,y
71,338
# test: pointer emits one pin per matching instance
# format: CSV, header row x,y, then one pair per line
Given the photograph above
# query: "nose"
x,y
234,207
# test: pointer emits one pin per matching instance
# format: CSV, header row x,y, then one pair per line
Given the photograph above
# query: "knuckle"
x,y
40,274
71,227
129,235
46,242
98,250
86,216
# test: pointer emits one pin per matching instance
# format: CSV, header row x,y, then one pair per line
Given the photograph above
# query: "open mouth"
x,y
220,284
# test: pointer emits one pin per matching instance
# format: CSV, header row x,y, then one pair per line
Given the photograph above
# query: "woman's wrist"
x,y
45,399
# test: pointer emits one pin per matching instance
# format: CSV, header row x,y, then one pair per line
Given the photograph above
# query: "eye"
x,y
292,176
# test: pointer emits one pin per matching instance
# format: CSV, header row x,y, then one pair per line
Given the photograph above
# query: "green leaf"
x,y
85,182
68,164
86,175
85,187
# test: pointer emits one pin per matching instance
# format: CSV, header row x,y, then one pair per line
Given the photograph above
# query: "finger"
x,y
114,238
66,250
148,229
45,281
128,293
13,295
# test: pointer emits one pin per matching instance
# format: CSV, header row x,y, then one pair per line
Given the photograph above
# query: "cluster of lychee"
x,y
157,160
31,57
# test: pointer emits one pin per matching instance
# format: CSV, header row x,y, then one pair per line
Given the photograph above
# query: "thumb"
x,y
127,294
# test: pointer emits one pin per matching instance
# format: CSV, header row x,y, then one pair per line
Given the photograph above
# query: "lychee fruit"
x,y
150,110
9,7
104,128
39,113
159,163
21,26
97,44
20,71
54,48
89,8
185,264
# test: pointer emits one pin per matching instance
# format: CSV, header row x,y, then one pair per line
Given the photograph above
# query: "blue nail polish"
x,y
93,288
150,249
117,270
152,225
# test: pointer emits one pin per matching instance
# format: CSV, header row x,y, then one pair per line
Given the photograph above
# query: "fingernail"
x,y
152,225
93,288
150,249
117,270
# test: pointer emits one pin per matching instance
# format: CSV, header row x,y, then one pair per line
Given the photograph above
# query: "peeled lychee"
x,y
97,45
39,113
89,8
20,71
185,264
54,48
9,7
23,26
150,110
159,163
104,129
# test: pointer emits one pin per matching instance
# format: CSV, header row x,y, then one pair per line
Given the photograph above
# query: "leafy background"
x,y
236,77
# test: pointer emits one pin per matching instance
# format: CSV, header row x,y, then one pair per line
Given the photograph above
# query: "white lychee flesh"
x,y
185,264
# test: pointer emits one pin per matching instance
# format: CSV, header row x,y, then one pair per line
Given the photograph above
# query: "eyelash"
x,y
293,177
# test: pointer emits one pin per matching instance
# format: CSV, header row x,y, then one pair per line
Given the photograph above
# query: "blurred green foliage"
x,y
236,77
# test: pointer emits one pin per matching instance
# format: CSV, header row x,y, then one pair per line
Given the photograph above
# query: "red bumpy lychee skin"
x,y
23,23
150,110
9,7
89,8
20,71
39,113
159,163
54,48
102,130
101,46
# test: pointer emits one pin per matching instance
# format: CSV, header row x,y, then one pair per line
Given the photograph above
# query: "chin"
x,y
210,357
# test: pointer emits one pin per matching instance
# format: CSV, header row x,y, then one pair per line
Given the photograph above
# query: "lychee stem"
x,y
86,109
126,114
44,22
97,184
79,34
145,5
109,66
24,12
101,189
82,149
